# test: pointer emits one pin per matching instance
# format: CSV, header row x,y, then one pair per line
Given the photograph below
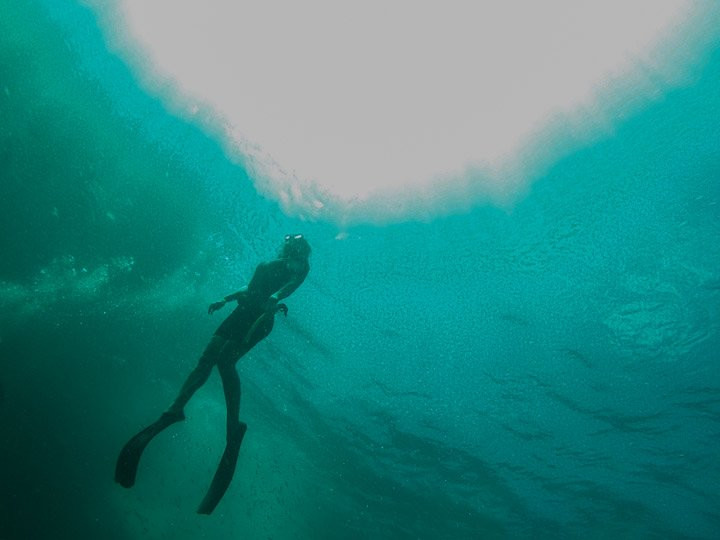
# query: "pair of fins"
x,y
129,459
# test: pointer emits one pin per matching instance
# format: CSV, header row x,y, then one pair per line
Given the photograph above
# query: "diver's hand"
x,y
215,306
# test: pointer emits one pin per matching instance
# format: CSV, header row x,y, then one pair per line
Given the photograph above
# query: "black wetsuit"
x,y
268,279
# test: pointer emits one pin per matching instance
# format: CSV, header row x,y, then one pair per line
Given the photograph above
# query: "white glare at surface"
x,y
338,104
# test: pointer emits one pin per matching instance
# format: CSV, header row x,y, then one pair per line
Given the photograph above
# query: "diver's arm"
x,y
235,295
291,286
287,290
229,298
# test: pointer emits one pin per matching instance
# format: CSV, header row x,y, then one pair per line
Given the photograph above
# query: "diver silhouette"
x,y
250,322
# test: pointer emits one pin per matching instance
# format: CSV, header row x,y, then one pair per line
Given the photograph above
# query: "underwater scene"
x,y
463,360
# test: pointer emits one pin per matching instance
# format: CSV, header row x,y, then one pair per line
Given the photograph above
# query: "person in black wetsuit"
x,y
250,322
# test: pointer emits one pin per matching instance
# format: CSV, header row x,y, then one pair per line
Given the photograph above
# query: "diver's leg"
x,y
260,329
231,388
129,459
198,376
235,431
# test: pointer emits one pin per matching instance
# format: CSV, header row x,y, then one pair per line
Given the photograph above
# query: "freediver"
x,y
250,322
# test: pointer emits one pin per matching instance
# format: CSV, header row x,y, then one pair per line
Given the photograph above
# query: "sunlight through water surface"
x,y
392,110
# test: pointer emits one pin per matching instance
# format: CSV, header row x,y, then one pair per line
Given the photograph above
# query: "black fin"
x,y
225,471
127,463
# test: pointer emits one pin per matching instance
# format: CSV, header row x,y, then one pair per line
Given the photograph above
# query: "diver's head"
x,y
295,247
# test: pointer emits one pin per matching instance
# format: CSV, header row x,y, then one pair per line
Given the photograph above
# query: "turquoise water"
x,y
548,371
